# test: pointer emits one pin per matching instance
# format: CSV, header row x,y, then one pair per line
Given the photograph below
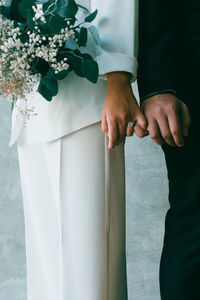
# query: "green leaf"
x,y
48,88
26,5
91,17
75,65
66,8
83,37
77,52
84,8
30,22
83,65
45,92
56,23
5,11
90,69
15,14
40,66
46,6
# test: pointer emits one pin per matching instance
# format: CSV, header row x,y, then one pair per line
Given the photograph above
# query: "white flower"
x,y
2,2
16,79
39,14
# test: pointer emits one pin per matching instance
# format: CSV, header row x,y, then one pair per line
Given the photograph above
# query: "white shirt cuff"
x,y
116,62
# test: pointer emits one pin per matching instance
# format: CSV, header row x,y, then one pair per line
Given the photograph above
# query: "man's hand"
x,y
168,119
120,108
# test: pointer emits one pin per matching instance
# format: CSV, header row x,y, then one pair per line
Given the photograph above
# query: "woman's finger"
x,y
140,132
112,133
104,124
141,125
130,129
122,130
142,121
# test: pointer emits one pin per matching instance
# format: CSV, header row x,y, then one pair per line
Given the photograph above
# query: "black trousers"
x,y
180,260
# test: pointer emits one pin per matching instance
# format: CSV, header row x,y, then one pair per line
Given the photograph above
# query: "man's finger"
x,y
140,132
112,134
185,120
176,129
142,121
154,133
165,131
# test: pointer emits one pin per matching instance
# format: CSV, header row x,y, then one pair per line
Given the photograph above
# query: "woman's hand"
x,y
119,109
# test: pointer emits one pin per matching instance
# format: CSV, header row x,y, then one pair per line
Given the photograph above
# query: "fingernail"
x,y
180,145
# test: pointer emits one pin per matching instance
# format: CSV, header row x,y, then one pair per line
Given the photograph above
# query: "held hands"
x,y
120,108
168,119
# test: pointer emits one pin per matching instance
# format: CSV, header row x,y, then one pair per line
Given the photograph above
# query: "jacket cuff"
x,y
116,62
167,91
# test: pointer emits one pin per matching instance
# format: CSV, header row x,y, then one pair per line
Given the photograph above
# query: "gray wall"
x,y
12,252
147,189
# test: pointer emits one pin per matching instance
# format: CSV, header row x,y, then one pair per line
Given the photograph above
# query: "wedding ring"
x,y
132,124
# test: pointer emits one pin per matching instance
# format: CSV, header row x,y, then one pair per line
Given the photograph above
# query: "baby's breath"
x,y
37,49
15,77
16,57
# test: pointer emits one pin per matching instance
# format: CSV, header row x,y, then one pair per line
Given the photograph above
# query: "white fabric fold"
x,y
74,208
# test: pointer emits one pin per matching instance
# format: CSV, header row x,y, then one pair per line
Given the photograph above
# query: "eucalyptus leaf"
x,y
90,69
56,23
84,8
83,37
30,21
48,88
75,64
44,91
24,6
91,17
15,13
40,66
77,52
5,11
66,8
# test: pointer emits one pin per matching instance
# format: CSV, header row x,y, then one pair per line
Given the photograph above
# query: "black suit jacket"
x,y
169,48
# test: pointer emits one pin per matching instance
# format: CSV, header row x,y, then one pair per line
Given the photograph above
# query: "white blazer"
x,y
79,102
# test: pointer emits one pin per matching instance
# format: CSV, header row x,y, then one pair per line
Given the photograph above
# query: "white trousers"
x,y
74,207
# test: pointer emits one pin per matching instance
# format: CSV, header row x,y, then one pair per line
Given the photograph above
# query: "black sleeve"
x,y
156,71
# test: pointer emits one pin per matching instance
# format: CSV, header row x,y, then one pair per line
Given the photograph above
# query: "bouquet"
x,y
41,40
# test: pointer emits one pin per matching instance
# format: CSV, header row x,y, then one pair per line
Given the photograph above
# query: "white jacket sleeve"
x,y
117,25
